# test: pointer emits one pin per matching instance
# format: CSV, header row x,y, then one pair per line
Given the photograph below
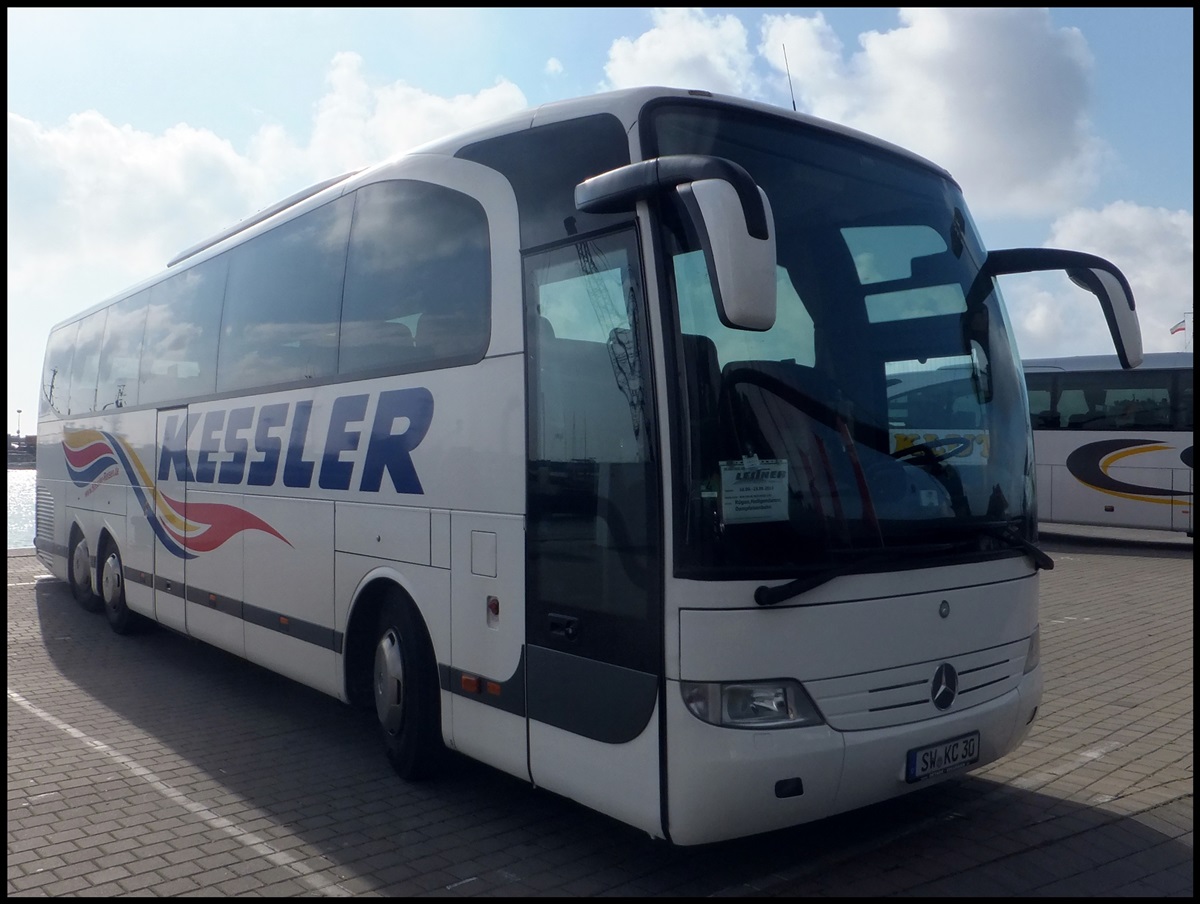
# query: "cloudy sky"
x,y
133,134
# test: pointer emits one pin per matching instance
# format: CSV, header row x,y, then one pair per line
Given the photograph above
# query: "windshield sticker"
x,y
754,490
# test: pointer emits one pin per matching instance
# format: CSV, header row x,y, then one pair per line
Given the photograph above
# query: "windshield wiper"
x,y
999,530
1005,533
769,596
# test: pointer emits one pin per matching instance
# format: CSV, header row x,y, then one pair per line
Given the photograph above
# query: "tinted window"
x,y
417,279
545,164
117,384
283,301
1107,400
182,322
86,363
56,371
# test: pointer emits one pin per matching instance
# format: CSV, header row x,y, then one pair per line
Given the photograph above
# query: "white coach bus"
x,y
1113,446
565,443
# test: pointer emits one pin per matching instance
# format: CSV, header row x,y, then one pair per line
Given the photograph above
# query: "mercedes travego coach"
x,y
570,443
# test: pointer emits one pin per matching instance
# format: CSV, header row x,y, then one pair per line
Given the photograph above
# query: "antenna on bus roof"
x,y
789,75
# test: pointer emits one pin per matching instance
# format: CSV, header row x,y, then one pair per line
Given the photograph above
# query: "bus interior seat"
x,y
447,334
1047,420
390,344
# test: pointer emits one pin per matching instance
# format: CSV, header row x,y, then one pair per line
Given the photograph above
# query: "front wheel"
x,y
79,575
404,680
112,589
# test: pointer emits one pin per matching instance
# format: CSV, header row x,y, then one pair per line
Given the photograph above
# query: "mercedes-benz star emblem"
x,y
945,686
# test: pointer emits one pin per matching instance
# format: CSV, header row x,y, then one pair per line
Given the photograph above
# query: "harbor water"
x,y
22,493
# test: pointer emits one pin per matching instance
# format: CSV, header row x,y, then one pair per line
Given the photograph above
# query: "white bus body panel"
x,y
1152,464
610,778
872,687
734,773
219,575
487,591
796,641
297,580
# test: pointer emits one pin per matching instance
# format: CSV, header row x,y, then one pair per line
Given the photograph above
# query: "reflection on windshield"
x,y
884,409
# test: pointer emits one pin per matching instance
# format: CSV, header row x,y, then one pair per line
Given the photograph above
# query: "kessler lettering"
x,y
251,443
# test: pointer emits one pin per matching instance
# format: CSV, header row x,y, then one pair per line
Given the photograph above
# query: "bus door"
x,y
594,605
169,500
198,551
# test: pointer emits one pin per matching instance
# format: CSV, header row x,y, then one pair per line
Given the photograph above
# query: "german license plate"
x,y
945,756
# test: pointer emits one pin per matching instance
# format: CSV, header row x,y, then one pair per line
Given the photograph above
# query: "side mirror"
x,y
731,217
741,268
1098,276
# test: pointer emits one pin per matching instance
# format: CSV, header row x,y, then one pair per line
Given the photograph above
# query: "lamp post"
x,y
18,423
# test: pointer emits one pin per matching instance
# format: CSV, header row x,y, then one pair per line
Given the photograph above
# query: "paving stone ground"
x,y
154,765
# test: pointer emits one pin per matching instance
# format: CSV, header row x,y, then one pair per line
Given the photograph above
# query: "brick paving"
x,y
154,765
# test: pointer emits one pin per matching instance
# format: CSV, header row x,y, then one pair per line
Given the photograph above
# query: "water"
x,y
22,493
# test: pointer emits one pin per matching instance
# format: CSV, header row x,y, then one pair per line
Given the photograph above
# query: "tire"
x,y
112,590
404,683
79,574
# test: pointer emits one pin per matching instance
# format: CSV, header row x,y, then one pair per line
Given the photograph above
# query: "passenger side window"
x,y
183,318
283,301
86,364
117,385
56,371
418,280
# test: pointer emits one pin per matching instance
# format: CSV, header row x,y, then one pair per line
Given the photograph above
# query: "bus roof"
x,y
626,104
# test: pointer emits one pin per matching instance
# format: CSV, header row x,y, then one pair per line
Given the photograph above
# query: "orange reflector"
x,y
212,597
470,684
493,688
283,620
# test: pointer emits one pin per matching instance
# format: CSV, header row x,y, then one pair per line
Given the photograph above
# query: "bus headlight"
x,y
1034,656
751,704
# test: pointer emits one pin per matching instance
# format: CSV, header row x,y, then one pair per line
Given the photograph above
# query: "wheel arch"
x,y
77,533
374,590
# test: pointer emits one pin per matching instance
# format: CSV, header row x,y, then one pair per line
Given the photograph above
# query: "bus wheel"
x,y
79,574
406,693
112,587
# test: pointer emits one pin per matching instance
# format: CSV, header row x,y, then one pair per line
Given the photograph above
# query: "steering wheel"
x,y
928,450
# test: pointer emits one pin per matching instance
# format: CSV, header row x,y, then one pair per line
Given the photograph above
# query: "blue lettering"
x,y
335,473
206,468
174,447
233,470
296,471
262,473
391,452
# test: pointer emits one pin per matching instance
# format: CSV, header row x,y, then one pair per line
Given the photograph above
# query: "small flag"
x,y
1177,328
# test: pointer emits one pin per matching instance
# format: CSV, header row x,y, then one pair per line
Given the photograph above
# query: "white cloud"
x,y
94,207
1152,246
685,49
997,96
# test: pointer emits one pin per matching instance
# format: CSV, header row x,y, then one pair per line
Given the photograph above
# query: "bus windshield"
x,y
885,408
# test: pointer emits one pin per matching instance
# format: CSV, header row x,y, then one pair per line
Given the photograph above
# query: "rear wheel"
x,y
79,574
404,680
112,588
